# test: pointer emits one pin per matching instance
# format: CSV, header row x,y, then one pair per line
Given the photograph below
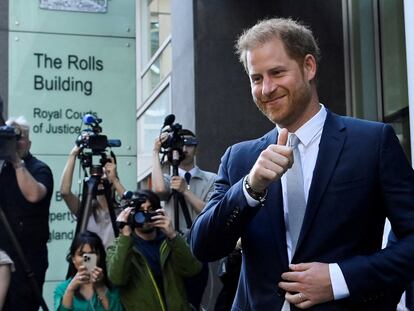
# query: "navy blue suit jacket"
x,y
361,177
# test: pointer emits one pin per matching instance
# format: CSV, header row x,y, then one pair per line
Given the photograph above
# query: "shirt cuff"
x,y
250,201
339,287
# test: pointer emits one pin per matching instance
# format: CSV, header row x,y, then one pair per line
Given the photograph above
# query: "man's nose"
x,y
268,86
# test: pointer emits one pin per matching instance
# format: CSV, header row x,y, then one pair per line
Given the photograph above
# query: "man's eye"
x,y
276,72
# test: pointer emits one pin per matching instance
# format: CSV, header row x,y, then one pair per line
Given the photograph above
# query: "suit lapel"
x,y
330,147
274,209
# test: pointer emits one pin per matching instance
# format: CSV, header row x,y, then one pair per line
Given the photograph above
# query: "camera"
x,y
92,139
137,218
175,140
172,147
9,135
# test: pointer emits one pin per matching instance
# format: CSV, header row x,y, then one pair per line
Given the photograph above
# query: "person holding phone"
x,y
88,287
99,221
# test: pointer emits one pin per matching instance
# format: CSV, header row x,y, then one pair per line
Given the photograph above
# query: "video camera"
x,y
172,147
91,138
174,141
137,218
9,135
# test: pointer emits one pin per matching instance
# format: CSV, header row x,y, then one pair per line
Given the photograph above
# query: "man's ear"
x,y
309,67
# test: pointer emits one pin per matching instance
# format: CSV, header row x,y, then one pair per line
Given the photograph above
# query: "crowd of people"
x,y
141,263
295,218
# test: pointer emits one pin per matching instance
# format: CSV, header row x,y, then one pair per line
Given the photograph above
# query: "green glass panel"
x,y
156,73
55,80
155,26
149,125
394,70
363,56
393,58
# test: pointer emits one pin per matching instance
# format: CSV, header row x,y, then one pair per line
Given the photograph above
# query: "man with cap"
x,y
194,184
194,187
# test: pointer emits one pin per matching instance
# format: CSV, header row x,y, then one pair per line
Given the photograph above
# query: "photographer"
x,y
193,183
194,186
99,221
149,259
26,186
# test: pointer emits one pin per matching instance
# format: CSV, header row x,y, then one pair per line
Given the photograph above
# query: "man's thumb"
x,y
283,137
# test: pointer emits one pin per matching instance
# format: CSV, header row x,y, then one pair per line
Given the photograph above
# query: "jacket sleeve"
x,y
376,273
183,260
217,229
118,260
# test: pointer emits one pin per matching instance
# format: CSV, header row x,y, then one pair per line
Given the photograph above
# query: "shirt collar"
x,y
193,171
308,131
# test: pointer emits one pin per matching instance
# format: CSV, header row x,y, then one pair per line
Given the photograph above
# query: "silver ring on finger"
x,y
302,297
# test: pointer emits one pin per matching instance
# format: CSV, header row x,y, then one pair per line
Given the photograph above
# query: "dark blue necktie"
x,y
187,177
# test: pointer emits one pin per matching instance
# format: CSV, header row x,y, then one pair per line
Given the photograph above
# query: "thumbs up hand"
x,y
272,163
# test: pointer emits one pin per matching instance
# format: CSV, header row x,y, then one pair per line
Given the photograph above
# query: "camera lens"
x,y
139,218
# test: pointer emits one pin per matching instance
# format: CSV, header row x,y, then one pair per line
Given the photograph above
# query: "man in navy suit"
x,y
354,175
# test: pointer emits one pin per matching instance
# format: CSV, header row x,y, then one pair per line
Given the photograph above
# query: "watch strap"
x,y
257,195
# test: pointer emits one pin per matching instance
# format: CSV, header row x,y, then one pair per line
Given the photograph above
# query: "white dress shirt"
x,y
309,135
182,172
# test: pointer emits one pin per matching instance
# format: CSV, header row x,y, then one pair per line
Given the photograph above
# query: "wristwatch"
x,y
258,196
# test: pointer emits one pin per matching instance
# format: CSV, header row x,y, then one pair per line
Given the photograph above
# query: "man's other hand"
x,y
307,284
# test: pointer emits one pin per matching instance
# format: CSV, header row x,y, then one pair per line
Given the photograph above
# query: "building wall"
x,y
4,51
95,49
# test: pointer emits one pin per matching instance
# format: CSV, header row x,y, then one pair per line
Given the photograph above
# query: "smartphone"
x,y
89,261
